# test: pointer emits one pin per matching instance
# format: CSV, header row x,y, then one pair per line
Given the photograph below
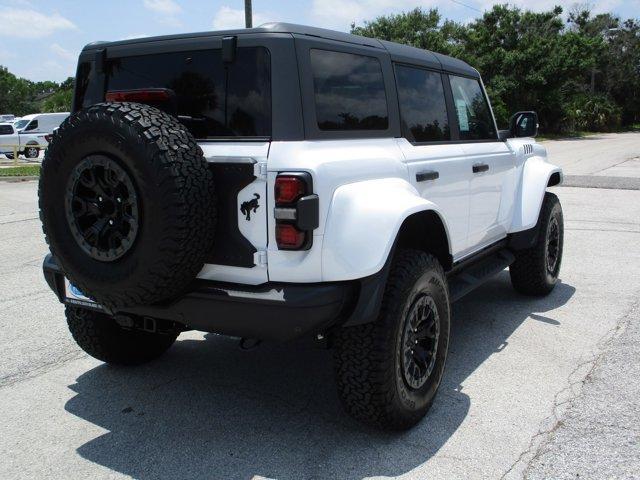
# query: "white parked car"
x,y
289,181
35,130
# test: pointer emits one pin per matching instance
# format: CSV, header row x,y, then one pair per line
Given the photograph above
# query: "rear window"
x,y
349,91
210,98
423,109
6,129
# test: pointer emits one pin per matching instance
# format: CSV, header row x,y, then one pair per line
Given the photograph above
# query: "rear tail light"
x,y
289,237
289,188
147,95
296,211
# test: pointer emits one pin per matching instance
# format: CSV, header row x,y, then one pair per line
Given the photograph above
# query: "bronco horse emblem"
x,y
249,205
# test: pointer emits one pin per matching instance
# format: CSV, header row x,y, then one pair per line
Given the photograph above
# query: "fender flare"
x,y
535,177
363,224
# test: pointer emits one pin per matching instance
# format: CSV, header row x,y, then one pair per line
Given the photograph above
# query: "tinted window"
x,y
211,99
423,109
472,110
349,91
32,125
6,129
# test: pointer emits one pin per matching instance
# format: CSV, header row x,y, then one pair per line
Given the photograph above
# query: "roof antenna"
x,y
248,20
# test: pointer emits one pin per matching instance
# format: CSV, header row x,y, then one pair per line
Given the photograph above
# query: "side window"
x,y
423,109
349,91
472,109
6,130
32,126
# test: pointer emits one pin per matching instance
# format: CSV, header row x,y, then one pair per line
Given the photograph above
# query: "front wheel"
x,y
101,337
536,270
388,371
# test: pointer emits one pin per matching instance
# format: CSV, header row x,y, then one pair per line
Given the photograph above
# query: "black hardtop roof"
x,y
398,52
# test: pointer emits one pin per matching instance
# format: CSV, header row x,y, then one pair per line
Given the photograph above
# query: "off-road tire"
x,y
101,337
175,190
367,358
529,272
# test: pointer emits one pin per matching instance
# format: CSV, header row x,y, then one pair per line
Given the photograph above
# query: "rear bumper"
x,y
273,311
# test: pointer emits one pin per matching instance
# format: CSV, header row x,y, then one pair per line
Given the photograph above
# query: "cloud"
x,y
63,52
165,12
134,36
15,20
164,7
227,18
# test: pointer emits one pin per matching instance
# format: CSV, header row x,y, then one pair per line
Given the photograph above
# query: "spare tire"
x,y
127,204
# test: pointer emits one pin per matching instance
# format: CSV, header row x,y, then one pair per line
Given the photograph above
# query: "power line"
x,y
465,5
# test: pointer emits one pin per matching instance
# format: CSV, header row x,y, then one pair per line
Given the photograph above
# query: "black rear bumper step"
x,y
272,311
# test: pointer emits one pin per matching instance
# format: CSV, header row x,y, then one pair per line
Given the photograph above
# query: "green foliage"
x,y
58,102
537,61
595,113
21,171
22,97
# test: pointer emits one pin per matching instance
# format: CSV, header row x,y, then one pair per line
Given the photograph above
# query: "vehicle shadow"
x,y
209,410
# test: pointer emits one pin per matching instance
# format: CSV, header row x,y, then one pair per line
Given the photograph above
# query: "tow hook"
x,y
249,343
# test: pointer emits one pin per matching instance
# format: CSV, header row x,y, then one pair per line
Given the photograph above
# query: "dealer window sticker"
x,y
463,117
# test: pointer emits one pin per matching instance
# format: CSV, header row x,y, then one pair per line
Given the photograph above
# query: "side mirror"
x,y
524,124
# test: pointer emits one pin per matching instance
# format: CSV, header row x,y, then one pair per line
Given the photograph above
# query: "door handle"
x,y
480,167
427,175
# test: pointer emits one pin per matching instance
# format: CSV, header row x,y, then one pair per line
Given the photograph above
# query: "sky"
x,y
41,39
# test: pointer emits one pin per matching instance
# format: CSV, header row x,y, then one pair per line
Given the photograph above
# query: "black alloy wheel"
x,y
101,206
552,246
420,342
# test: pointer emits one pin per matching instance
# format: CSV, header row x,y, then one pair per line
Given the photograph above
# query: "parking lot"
x,y
535,388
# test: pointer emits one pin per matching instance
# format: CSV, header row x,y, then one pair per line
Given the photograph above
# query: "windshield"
x,y
20,124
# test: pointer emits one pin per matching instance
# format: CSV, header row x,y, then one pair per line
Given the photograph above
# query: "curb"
x,y
18,179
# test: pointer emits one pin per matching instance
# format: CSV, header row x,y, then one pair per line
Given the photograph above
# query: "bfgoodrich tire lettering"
x,y
173,188
368,358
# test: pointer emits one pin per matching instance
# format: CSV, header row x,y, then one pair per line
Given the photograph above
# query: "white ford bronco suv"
x,y
288,181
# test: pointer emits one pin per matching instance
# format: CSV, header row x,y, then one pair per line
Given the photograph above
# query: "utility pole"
x,y
248,14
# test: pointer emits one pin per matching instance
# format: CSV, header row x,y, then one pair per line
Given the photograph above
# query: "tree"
x,y
534,60
22,97
58,102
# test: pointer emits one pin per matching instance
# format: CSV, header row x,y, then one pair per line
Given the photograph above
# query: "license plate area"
x,y
73,296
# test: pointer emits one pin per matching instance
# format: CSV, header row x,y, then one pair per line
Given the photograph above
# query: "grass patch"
x,y
20,171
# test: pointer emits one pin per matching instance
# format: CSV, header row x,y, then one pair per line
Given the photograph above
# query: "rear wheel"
x,y
536,270
9,156
101,337
388,371
31,152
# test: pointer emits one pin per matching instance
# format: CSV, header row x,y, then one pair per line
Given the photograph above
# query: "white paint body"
x,y
368,187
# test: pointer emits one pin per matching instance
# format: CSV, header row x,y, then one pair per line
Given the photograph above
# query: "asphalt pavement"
x,y
535,388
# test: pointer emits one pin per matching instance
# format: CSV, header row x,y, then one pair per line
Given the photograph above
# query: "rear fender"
x,y
363,223
536,175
